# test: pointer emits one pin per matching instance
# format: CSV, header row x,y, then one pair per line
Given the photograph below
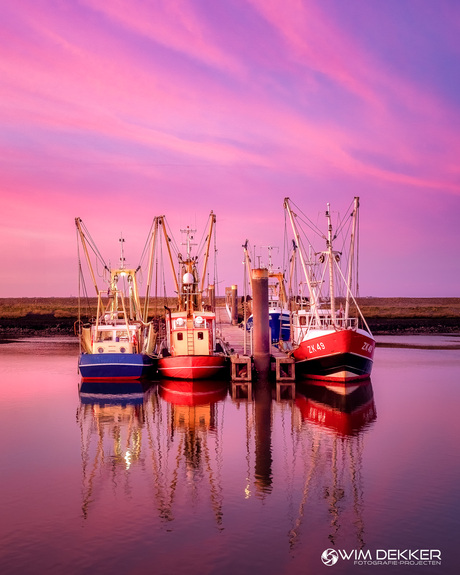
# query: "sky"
x,y
117,112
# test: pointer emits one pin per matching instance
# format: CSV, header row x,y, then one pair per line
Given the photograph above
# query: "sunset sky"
x,y
118,111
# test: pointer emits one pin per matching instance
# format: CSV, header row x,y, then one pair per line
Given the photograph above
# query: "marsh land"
x,y
55,315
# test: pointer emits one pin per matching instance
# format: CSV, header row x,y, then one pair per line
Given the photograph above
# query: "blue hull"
x,y
280,328
115,366
113,392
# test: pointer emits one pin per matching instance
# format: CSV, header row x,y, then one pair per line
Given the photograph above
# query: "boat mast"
x,y
150,268
247,261
313,302
161,221
352,253
212,221
330,255
85,248
292,267
189,280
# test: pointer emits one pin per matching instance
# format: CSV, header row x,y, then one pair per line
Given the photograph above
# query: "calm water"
x,y
167,481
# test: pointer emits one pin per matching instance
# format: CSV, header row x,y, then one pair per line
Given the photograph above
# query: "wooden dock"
x,y
241,359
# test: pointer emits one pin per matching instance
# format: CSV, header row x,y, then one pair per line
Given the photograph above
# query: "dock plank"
x,y
234,335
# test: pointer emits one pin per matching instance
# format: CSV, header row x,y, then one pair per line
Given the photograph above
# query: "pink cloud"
x,y
168,101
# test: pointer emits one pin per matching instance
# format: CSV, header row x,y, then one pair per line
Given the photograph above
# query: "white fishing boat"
x,y
331,340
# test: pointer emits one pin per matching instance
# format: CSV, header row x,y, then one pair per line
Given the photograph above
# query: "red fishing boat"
x,y
192,347
331,341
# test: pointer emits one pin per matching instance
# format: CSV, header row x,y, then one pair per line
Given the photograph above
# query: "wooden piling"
x,y
212,296
261,323
234,305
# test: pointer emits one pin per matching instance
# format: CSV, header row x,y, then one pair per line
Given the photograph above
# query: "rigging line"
x,y
345,219
344,234
170,238
202,242
303,233
355,302
146,245
215,271
79,275
357,253
92,244
307,220
81,283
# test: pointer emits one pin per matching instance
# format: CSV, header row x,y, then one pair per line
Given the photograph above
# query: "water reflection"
x,y
111,418
263,436
345,414
301,445
191,448
335,424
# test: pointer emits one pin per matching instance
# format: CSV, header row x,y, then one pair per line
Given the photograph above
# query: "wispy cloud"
x,y
170,104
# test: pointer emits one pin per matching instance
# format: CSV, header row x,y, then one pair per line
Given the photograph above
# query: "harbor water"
x,y
211,479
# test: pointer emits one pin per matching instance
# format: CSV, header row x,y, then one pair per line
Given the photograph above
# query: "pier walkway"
x,y
233,335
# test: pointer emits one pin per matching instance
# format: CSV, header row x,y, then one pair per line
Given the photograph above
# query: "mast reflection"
x,y
111,418
335,425
297,447
194,430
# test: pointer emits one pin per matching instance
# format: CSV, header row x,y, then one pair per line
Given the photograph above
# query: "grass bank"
x,y
54,315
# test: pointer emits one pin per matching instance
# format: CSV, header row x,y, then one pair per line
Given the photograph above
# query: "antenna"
x,y
188,241
122,252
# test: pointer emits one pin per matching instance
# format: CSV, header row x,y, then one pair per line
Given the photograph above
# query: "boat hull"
x,y
193,392
343,357
115,366
280,325
344,415
192,366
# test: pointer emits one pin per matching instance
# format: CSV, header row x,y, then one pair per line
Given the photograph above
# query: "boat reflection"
x,y
334,424
297,447
197,392
344,414
105,392
189,456
111,417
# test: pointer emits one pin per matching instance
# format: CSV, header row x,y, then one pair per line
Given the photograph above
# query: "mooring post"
x,y
212,296
234,305
261,322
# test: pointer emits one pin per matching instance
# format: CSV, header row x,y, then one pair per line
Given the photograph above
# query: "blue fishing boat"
x,y
118,344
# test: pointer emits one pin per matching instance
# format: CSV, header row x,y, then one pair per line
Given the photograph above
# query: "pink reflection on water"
x,y
200,476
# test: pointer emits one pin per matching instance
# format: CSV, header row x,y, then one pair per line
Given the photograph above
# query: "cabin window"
x,y
180,336
200,335
302,320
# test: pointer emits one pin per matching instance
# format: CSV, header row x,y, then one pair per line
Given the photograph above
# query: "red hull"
x,y
192,366
193,392
345,416
344,356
